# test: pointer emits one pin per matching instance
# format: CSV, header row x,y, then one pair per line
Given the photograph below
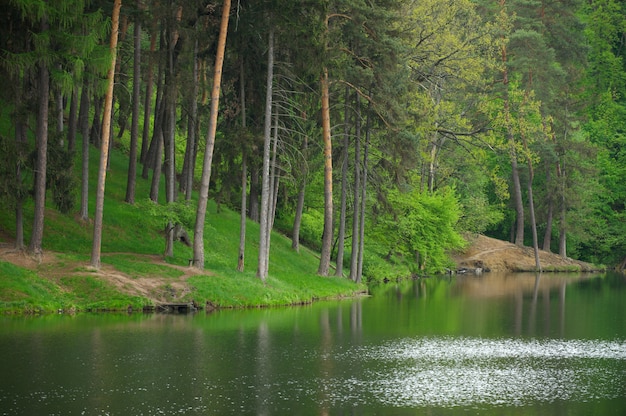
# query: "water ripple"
x,y
473,371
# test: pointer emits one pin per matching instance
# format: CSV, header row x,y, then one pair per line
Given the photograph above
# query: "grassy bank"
x,y
135,275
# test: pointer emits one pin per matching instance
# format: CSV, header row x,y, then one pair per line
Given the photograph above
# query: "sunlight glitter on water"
x,y
503,372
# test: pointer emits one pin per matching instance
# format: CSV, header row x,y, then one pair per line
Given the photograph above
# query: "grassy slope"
x,y
130,235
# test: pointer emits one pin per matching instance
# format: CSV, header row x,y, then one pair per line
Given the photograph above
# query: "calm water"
x,y
490,345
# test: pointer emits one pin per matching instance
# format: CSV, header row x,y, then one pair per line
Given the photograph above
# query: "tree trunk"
x,y
341,236
356,213
242,216
254,193
517,188
84,128
274,187
262,267
327,237
59,110
21,141
149,161
244,174
72,120
547,237
35,247
186,179
96,124
156,167
533,223
563,229
134,129
148,99
297,220
104,151
198,242
359,274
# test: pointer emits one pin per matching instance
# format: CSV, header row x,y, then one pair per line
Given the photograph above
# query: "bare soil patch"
x,y
502,256
154,288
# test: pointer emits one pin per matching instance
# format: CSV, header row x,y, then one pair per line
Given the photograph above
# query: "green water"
x,y
490,345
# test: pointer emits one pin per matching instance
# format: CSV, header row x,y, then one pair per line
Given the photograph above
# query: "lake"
x,y
494,344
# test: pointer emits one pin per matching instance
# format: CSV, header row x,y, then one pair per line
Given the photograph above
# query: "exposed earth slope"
x,y
497,255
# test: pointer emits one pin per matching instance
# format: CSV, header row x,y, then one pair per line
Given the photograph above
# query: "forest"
x,y
372,131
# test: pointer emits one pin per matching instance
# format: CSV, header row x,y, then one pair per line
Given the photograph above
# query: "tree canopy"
x,y
361,128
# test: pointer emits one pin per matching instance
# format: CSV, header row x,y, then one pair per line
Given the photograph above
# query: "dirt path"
x,y
157,289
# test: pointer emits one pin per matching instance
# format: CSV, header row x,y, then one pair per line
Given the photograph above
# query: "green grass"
x,y
131,240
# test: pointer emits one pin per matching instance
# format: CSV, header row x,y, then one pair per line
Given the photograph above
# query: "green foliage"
x,y
12,157
422,227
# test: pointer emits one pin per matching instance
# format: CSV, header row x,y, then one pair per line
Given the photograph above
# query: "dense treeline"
x,y
369,130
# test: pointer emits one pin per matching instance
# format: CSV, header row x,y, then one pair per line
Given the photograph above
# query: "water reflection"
x,y
521,344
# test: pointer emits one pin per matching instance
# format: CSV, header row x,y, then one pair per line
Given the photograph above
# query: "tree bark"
x,y
156,167
186,180
254,193
150,158
145,135
327,237
106,128
533,222
36,238
262,267
84,128
134,128
341,236
359,274
274,188
96,124
72,120
198,241
562,221
242,216
356,213
244,174
21,141
297,220
547,237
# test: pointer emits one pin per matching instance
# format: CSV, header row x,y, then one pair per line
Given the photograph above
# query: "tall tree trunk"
x,y
186,179
262,267
356,208
254,193
297,220
531,204
72,120
58,98
327,237
242,216
84,128
134,129
274,187
244,174
533,223
104,151
156,164
35,246
198,241
145,135
96,125
341,236
149,161
562,219
21,141
547,237
359,274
